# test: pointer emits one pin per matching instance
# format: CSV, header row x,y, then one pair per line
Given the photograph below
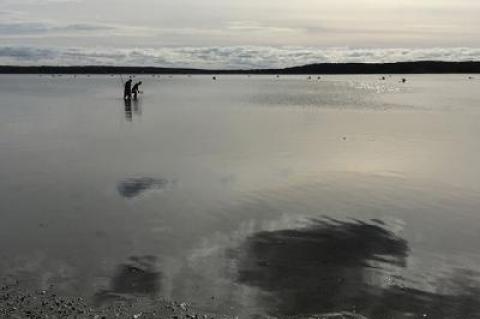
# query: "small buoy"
x,y
214,78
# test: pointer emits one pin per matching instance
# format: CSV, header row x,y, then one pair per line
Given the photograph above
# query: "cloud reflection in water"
x,y
137,277
133,187
336,266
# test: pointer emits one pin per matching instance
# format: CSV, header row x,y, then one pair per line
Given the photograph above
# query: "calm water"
x,y
248,196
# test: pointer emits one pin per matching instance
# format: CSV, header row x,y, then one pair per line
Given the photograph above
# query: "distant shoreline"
x,y
418,67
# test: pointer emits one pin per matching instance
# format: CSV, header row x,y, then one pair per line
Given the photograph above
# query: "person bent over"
x,y
135,90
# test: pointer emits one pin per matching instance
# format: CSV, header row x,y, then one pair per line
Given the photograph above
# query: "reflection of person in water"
x,y
127,93
135,89
137,107
128,109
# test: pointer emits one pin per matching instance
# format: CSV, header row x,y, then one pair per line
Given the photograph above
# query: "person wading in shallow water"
x,y
135,89
127,93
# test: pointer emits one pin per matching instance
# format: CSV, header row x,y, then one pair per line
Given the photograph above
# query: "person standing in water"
x,y
135,89
127,93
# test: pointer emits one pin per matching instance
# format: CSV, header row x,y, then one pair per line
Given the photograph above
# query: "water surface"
x,y
246,195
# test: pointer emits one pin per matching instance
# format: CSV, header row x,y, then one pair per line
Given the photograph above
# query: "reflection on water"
x,y
325,267
130,111
393,166
137,107
134,187
457,297
334,266
137,277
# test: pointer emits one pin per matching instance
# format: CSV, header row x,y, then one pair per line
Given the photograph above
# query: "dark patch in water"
x,y
134,187
335,266
320,267
137,277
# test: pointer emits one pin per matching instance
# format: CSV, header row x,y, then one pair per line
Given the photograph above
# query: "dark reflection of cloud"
x,y
455,297
134,187
137,277
321,267
334,266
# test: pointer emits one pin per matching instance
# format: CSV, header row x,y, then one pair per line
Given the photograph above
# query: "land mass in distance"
x,y
416,67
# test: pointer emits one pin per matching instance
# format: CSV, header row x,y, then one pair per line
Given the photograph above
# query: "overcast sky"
x,y
236,32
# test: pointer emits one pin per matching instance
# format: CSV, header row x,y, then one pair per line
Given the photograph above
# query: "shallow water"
x,y
246,195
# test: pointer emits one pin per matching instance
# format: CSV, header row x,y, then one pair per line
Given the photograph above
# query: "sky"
x,y
236,33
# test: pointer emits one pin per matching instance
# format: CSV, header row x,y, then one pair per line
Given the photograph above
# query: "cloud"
x,y
21,25
22,28
221,57
38,2
324,23
252,26
28,55
33,28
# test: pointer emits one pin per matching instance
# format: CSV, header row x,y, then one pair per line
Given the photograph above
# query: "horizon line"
x,y
408,67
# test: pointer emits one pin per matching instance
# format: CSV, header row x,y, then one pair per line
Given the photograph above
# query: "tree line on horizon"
x,y
417,67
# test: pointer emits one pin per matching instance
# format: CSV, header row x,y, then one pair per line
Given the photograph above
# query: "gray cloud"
x,y
320,23
33,28
224,57
39,2
22,28
26,55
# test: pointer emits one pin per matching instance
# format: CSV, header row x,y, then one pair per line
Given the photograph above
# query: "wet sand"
x,y
16,302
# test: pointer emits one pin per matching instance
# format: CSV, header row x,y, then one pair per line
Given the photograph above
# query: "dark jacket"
x,y
128,88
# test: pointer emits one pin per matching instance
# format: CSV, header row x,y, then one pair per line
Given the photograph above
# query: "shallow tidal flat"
x,y
337,197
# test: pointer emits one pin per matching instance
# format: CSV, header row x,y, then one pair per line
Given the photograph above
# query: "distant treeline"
x,y
420,67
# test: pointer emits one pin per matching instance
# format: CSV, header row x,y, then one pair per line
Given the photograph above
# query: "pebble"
x,y
44,304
